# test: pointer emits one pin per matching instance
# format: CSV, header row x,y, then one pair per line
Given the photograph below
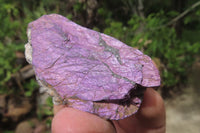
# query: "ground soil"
x,y
183,112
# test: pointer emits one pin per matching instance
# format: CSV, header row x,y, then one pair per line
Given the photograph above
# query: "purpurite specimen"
x,y
88,70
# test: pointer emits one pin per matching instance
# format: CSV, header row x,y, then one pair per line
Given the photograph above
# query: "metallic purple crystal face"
x,y
89,70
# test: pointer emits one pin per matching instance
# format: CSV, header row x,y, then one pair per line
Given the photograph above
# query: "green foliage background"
x,y
173,47
175,51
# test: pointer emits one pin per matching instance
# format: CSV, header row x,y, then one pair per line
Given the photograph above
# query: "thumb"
x,y
152,111
149,118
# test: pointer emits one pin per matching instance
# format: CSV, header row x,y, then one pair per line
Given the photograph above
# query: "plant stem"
x,y
183,14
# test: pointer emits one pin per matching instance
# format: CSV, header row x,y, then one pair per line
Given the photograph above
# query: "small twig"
x,y
129,4
140,8
178,17
183,14
24,73
27,72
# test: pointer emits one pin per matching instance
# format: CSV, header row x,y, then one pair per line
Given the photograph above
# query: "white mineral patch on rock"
x,y
28,53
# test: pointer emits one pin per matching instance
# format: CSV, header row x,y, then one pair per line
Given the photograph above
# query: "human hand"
x,y
150,118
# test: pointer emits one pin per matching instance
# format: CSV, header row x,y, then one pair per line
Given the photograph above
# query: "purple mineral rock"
x,y
88,70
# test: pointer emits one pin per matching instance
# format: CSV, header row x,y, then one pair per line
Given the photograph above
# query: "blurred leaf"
x,y
49,102
173,13
30,87
48,122
197,12
187,20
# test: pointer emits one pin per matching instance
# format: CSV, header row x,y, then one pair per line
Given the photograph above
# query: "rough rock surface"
x,y
88,70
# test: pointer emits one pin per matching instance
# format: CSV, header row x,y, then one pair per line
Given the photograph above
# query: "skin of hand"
x,y
150,118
